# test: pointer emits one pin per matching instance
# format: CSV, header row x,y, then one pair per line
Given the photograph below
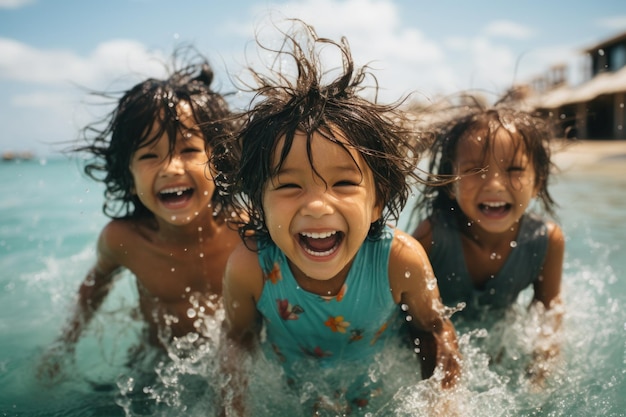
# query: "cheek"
x,y
523,183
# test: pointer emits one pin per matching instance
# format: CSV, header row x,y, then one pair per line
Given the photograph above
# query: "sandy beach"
x,y
603,157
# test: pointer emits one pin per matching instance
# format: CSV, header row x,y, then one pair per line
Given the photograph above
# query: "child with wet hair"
x,y
485,243
168,224
321,172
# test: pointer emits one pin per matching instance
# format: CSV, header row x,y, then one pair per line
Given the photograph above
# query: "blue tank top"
x,y
521,269
350,326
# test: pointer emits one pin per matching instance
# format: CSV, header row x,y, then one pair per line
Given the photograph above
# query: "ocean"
x,y
50,217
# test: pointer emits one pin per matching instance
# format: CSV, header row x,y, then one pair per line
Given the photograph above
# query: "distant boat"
x,y
20,156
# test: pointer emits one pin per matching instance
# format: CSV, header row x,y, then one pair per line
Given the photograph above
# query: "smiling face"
x,y
497,184
320,218
174,187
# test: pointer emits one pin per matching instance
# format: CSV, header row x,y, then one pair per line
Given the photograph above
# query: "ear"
x,y
377,212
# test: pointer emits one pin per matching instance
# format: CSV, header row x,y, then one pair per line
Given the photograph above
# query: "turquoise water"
x,y
50,217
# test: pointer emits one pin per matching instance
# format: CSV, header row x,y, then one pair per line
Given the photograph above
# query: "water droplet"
x,y
492,256
191,313
404,307
409,318
407,274
513,244
202,255
173,269
431,284
187,289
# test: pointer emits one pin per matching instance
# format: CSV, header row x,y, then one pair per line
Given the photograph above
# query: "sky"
x,y
53,52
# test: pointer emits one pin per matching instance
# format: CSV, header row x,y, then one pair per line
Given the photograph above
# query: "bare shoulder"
x,y
405,246
407,257
243,270
410,273
117,233
555,233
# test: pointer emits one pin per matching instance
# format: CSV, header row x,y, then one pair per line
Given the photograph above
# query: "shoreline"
x,y
590,156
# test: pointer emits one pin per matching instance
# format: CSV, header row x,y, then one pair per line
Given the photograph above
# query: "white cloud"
x,y
613,22
508,29
112,59
40,99
15,4
402,58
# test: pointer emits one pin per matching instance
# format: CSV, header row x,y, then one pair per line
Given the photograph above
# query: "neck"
x,y
484,239
322,287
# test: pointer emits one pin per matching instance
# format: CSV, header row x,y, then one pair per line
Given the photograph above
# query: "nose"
x,y
494,178
316,204
172,166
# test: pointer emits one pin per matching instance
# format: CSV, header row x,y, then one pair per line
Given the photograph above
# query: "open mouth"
x,y
320,244
494,209
175,196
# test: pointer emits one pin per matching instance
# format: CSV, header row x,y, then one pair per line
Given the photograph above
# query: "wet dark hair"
x,y
112,141
283,107
531,132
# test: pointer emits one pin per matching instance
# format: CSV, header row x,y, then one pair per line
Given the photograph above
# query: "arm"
x,y
548,286
414,285
92,292
243,283
547,292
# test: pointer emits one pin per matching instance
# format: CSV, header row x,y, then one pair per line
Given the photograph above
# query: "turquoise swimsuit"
x,y
521,269
348,327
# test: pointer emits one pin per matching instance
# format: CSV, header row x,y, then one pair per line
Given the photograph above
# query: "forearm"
x,y
91,294
235,359
547,340
448,355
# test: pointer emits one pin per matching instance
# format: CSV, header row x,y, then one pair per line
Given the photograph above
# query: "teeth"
x,y
177,190
495,204
325,253
314,235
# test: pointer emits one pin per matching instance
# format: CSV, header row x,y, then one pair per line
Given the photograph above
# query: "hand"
x,y
450,361
542,366
57,359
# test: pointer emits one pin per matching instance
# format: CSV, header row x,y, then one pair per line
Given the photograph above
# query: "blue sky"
x,y
50,50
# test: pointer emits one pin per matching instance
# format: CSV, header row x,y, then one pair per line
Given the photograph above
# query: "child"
x,y
321,171
484,245
168,227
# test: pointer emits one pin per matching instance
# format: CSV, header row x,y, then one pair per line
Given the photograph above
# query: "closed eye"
x,y
191,149
146,156
346,183
286,186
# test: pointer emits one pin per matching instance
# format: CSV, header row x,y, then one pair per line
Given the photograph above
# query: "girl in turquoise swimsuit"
x,y
321,171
